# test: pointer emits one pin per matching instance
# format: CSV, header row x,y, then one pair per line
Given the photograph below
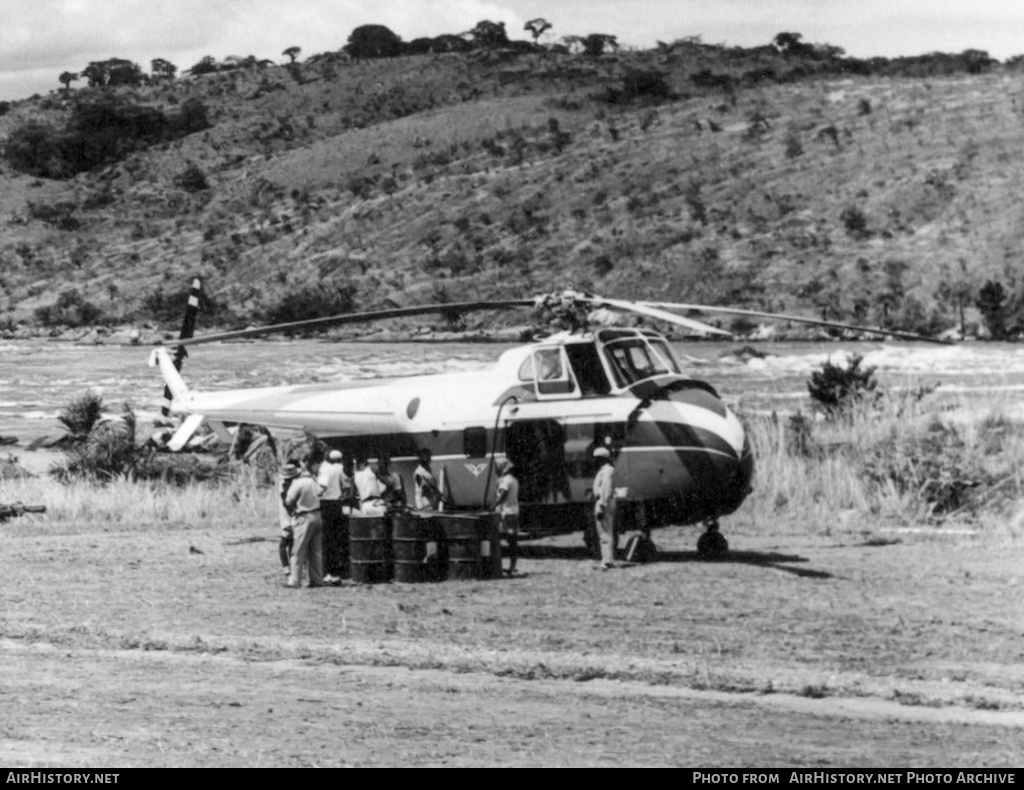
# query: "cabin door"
x,y
537,448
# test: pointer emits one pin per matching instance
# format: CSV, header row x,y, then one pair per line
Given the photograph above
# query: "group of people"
x,y
314,512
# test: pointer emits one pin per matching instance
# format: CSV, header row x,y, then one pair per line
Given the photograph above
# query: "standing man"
x,y
304,505
284,547
506,504
332,485
604,506
426,494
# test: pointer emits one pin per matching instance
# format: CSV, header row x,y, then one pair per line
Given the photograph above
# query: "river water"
x,y
38,378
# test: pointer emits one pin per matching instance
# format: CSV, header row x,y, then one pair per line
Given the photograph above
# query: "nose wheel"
x,y
712,545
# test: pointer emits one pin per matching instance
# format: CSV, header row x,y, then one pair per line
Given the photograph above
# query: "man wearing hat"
x,y
304,505
284,547
506,504
604,505
334,487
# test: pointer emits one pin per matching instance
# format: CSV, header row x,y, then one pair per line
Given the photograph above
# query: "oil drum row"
x,y
417,548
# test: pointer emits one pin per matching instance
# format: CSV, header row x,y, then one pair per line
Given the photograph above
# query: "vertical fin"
x,y
188,328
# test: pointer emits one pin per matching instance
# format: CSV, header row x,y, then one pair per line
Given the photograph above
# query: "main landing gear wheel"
x,y
712,545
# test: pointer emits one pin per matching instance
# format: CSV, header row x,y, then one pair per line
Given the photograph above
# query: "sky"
x,y
39,39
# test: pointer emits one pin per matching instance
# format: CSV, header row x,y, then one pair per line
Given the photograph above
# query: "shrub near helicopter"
x,y
682,456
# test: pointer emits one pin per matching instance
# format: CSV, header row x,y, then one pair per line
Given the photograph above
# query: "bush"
x,y
934,467
60,214
836,389
192,179
854,221
81,415
312,302
639,85
71,309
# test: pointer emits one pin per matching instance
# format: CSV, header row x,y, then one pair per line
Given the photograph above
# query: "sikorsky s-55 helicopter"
x,y
682,457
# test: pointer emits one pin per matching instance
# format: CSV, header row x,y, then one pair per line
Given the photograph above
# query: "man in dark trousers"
x,y
334,487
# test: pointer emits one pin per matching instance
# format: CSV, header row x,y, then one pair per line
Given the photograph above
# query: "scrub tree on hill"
x,y
489,35
114,71
291,53
598,43
373,41
162,69
66,78
537,28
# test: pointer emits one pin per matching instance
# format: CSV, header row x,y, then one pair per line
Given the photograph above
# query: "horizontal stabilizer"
x,y
184,433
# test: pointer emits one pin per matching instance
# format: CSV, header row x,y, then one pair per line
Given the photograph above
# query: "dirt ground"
x,y
179,646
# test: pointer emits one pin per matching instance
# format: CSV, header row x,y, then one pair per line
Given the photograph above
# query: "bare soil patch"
x,y
178,645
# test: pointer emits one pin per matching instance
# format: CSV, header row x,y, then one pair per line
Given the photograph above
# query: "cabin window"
x,y
552,372
474,442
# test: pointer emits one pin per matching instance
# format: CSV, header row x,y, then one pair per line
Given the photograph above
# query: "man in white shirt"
x,y
605,505
506,504
304,505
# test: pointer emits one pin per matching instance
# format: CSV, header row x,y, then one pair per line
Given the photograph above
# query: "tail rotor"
x,y
188,328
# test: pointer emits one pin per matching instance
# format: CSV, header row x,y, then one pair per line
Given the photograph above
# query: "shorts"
x,y
508,523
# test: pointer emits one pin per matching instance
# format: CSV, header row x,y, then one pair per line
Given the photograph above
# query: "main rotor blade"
x,y
652,311
799,320
355,318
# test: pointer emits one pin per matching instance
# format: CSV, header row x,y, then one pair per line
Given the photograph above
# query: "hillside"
x,y
469,175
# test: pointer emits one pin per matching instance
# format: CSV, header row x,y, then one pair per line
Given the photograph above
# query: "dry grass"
x,y
825,490
123,503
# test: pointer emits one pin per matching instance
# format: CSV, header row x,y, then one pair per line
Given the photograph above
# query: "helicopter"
x,y
681,455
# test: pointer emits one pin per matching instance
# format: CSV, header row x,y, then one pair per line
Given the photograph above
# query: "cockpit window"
x,y
664,352
632,360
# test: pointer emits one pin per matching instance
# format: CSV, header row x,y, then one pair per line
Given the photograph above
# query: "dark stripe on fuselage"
x,y
693,467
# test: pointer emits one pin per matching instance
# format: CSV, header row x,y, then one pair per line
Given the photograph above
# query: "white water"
x,y
37,378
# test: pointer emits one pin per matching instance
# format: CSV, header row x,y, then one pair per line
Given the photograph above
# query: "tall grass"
x,y
881,464
241,502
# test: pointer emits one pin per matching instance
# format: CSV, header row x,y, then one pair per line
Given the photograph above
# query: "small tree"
x,y
206,65
790,44
597,43
489,35
66,78
537,28
373,41
992,304
291,53
162,69
836,389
